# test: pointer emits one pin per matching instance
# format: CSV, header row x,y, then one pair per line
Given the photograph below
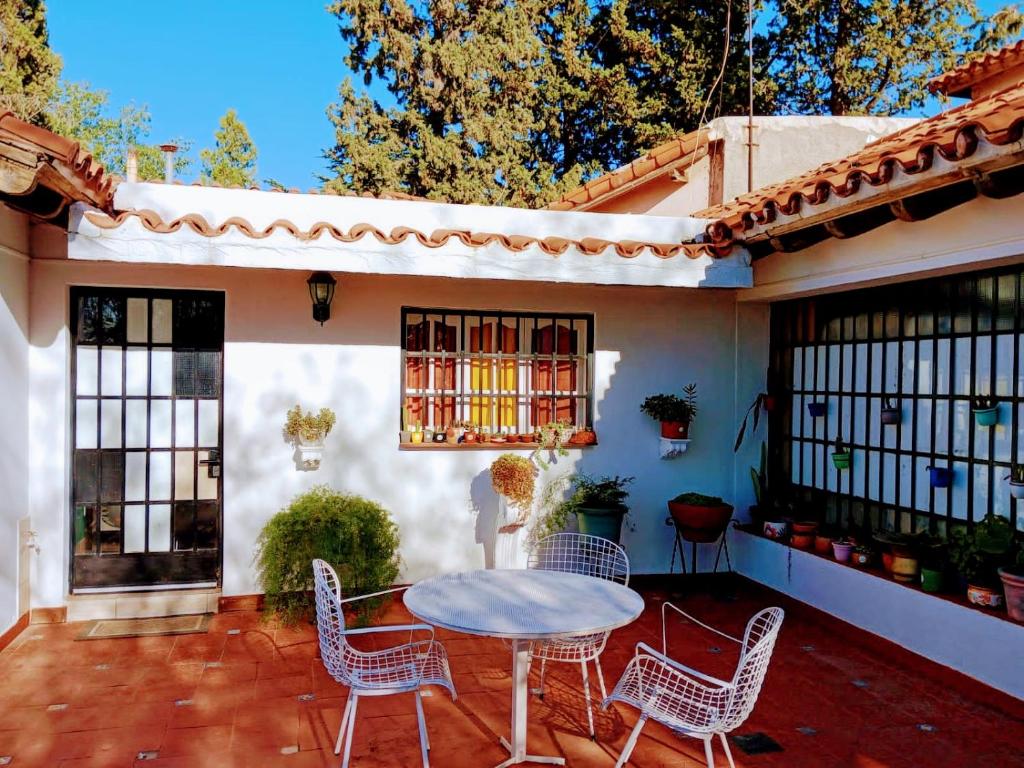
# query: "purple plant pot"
x,y
817,410
940,477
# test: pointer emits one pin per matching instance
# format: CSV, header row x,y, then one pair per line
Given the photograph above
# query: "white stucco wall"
x,y
647,340
14,383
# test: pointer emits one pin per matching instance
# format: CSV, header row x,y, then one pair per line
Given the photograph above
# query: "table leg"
x,y
517,749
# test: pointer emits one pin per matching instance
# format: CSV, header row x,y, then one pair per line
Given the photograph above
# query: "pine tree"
x,y
232,161
28,67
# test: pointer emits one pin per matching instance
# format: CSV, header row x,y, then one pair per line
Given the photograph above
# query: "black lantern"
x,y
321,291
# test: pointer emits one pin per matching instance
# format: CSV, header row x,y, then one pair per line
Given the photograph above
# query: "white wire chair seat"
x,y
690,702
589,556
404,668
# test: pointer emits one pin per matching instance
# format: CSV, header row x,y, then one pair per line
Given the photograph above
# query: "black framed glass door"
x,y
147,383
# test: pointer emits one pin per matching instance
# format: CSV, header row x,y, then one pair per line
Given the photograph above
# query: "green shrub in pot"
x,y
599,505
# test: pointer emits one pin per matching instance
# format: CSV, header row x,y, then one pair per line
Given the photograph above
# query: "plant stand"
x,y
678,546
508,534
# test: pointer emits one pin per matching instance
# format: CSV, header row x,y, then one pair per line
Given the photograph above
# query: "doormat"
x,y
756,743
106,629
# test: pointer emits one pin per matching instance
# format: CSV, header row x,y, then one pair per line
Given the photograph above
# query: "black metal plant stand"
x,y
677,546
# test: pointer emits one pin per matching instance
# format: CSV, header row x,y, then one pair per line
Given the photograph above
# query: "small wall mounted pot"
x,y
776,529
675,430
986,597
1013,587
931,580
817,410
891,415
1016,490
987,417
841,459
842,551
940,477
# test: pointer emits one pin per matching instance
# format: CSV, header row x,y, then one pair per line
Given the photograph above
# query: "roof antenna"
x,y
750,96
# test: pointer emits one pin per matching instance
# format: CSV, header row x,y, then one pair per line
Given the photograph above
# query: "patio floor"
x,y
251,694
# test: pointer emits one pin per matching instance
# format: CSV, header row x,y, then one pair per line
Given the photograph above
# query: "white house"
x,y
154,335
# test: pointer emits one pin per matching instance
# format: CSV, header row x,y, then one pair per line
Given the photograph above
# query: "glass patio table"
x,y
523,605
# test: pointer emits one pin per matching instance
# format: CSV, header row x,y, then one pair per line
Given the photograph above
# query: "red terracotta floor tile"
x,y
77,704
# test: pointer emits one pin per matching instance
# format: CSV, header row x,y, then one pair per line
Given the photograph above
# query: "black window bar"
x,y
502,371
931,346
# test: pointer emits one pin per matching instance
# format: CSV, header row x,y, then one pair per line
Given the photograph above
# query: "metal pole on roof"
x,y
168,150
750,96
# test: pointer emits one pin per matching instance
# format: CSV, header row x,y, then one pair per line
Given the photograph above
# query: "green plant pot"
x,y
606,523
841,460
931,580
987,417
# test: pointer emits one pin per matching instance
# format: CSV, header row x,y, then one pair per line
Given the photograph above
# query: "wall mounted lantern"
x,y
321,291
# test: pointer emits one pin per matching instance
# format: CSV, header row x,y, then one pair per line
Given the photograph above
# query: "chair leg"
x,y
708,753
344,722
600,678
586,695
348,732
728,752
627,750
424,739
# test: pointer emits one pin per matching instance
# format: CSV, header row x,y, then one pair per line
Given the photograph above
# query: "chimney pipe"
x,y
132,165
168,150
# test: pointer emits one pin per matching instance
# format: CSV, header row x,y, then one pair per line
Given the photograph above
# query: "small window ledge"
x,y
487,446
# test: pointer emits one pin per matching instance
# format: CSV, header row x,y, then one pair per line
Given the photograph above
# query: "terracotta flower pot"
x,y
822,544
700,524
675,430
1013,588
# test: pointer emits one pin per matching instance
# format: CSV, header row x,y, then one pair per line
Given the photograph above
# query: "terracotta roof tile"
x,y
958,81
554,246
953,135
34,157
663,157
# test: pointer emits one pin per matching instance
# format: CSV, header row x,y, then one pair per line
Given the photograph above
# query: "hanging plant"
x,y
307,427
986,410
514,478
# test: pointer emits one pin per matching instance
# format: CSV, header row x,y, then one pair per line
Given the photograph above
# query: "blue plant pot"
x,y
940,477
606,523
817,410
988,417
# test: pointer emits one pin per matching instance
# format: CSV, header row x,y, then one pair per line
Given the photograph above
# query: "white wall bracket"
x,y
670,449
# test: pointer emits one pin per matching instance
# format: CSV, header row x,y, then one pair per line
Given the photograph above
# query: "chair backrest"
x,y
330,620
581,553
758,643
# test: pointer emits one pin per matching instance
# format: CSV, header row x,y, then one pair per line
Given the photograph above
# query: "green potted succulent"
x,y
674,412
1012,577
700,518
599,505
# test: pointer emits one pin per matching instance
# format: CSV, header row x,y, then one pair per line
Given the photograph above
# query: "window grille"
x,y
931,346
503,372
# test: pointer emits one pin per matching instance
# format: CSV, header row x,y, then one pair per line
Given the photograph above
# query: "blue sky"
x,y
278,63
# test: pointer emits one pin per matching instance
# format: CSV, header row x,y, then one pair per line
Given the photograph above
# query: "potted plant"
x,y
978,555
860,556
986,410
843,548
764,400
890,412
675,413
308,431
823,540
701,519
841,454
933,566
803,534
599,505
513,479
553,437
904,553
1012,577
1016,481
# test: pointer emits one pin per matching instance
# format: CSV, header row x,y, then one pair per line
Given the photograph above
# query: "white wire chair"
x,y
690,702
589,556
399,669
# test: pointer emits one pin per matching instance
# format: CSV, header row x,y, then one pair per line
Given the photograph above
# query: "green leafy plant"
x,y
584,492
963,553
307,426
698,500
759,479
672,407
553,437
1016,475
840,447
355,535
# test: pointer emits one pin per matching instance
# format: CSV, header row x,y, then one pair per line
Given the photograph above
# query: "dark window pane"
x,y
86,479
207,513
112,321
1006,308
111,476
184,373
84,529
85,324
198,323
110,529
207,374
184,529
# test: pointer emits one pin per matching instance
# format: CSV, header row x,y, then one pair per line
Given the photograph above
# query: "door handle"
x,y
212,462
